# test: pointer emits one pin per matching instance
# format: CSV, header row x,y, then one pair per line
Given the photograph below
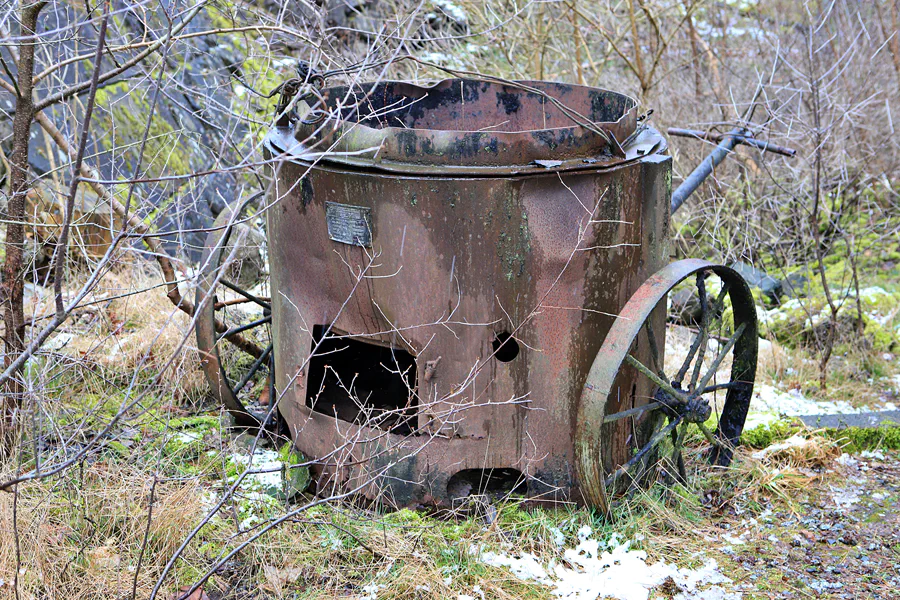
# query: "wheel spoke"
x,y
704,328
242,328
659,435
724,352
720,299
709,435
631,412
682,372
677,455
663,384
245,294
715,388
232,302
253,369
654,349
695,345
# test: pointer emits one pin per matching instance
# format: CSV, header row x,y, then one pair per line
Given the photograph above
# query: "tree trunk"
x,y
12,291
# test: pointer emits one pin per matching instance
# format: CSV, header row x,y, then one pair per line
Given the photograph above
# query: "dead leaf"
x,y
104,557
197,594
809,535
277,578
264,397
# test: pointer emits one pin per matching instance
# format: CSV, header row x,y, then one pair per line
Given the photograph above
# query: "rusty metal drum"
x,y
446,263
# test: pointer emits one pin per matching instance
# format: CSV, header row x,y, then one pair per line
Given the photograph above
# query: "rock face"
x,y
201,121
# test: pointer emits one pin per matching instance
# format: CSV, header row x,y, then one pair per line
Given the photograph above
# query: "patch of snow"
x,y
58,341
759,419
795,441
737,541
820,585
261,460
871,292
525,567
844,497
257,491
370,592
558,538
187,437
845,460
793,403
208,500
452,10
617,572
876,454
769,404
895,381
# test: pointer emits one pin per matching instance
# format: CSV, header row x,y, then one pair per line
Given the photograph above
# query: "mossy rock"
x,y
851,439
296,479
800,322
766,435
856,439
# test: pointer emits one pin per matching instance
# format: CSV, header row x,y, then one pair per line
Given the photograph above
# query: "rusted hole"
x,y
363,383
490,482
505,347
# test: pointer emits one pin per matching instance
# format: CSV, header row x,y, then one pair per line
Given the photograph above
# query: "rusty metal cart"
x,y
467,294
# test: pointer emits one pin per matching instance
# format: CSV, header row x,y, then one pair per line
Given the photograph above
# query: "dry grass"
x,y
80,536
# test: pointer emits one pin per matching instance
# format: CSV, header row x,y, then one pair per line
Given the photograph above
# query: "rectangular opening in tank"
x,y
361,382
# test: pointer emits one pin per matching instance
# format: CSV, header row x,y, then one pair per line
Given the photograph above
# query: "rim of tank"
x,y
466,126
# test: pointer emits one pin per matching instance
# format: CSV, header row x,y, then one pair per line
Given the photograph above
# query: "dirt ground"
x,y
840,540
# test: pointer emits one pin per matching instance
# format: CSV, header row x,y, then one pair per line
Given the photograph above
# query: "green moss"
x,y
204,422
405,518
128,115
117,448
183,447
851,439
764,436
296,478
856,439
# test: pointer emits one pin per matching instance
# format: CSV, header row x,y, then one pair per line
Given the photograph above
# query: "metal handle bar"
x,y
727,143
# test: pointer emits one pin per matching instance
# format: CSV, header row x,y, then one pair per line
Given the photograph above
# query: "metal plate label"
x,y
349,224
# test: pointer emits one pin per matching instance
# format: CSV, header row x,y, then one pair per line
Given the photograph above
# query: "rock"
x,y
684,306
448,15
798,322
795,285
246,441
296,479
246,247
93,234
768,285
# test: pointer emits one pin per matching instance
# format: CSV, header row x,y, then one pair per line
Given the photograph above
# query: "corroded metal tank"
x,y
446,262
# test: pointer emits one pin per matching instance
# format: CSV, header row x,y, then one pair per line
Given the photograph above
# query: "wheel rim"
x,y
233,329
636,412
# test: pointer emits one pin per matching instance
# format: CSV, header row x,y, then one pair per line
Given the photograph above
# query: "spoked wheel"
x,y
641,419
234,335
